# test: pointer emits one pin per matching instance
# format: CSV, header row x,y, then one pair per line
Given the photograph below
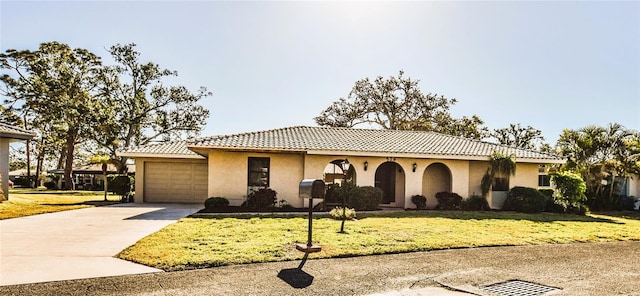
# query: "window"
x,y
258,175
500,184
544,181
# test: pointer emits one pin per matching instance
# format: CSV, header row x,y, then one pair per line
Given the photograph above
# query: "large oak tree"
x,y
398,103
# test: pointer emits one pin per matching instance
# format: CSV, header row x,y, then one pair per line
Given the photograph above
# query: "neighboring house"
x,y
8,134
89,176
401,163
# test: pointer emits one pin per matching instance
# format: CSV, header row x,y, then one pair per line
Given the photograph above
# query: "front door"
x,y
386,180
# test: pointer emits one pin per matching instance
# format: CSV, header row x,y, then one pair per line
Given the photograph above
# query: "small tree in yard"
x,y
570,192
120,185
104,160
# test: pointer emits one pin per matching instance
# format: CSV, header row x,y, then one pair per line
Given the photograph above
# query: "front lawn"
x,y
206,242
27,202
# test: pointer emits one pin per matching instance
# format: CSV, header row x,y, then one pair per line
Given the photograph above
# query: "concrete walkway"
x,y
80,243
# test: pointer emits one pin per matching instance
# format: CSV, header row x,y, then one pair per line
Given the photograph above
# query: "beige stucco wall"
x,y
228,175
634,186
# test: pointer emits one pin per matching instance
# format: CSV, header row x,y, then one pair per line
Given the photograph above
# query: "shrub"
x,y
420,201
365,198
336,191
262,199
50,185
119,184
448,201
548,193
216,203
525,199
337,213
475,203
570,189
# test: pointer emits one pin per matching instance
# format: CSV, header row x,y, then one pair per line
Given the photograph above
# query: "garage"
x,y
184,181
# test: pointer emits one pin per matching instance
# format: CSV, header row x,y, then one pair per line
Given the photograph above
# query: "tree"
x,y
599,155
397,103
104,160
500,166
53,87
139,109
518,136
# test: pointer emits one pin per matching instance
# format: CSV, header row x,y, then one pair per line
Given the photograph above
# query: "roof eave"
x,y
159,155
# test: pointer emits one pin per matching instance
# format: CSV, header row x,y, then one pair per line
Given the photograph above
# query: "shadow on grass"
x,y
457,215
95,203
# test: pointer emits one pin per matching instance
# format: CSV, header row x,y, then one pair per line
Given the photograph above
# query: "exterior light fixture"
x,y
415,166
366,165
345,168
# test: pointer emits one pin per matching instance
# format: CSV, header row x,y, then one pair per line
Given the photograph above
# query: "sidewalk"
x,y
575,269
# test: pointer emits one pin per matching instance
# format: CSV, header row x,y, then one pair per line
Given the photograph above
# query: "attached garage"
x,y
169,172
184,182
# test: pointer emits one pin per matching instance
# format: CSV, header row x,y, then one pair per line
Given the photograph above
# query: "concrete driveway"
x,y
80,243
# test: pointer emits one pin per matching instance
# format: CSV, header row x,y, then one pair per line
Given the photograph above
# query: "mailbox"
x,y
312,188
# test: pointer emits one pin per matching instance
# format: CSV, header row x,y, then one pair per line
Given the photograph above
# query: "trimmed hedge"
x,y
420,201
448,201
525,200
216,203
365,198
262,199
475,203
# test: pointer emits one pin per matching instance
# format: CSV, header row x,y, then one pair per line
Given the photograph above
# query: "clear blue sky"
x,y
551,65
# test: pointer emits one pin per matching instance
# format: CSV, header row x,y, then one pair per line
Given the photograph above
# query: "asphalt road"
x,y
575,269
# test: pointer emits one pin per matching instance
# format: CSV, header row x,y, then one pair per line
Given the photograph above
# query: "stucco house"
x,y
8,134
402,163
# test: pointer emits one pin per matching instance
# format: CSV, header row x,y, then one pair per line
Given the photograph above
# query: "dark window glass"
x,y
500,184
258,172
544,180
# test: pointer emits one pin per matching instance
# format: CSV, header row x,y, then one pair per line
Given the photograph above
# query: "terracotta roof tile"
x,y
10,131
177,149
304,138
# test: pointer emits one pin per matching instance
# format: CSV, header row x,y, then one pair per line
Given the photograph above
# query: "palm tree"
x,y
104,160
500,165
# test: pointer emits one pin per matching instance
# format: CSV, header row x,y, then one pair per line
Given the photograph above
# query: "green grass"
x,y
206,242
27,202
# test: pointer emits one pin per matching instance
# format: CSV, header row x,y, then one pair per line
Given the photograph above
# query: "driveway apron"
x,y
80,243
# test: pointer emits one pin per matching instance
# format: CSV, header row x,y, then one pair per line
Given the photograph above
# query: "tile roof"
x,y
10,131
175,149
354,140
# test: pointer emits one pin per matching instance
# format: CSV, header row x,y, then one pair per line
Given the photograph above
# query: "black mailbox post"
x,y
310,189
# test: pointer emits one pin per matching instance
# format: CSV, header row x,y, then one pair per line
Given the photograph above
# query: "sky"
x,y
547,64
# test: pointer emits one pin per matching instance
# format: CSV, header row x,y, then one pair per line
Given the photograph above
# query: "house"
x,y
8,134
401,163
88,176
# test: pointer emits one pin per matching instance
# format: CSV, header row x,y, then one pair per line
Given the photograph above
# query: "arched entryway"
x,y
390,178
333,173
436,178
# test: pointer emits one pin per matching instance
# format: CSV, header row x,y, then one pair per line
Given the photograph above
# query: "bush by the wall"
x,y
262,199
547,192
366,198
119,184
448,201
525,199
475,203
420,201
216,203
570,192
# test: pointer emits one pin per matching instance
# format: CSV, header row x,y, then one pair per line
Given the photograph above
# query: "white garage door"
x,y
175,182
